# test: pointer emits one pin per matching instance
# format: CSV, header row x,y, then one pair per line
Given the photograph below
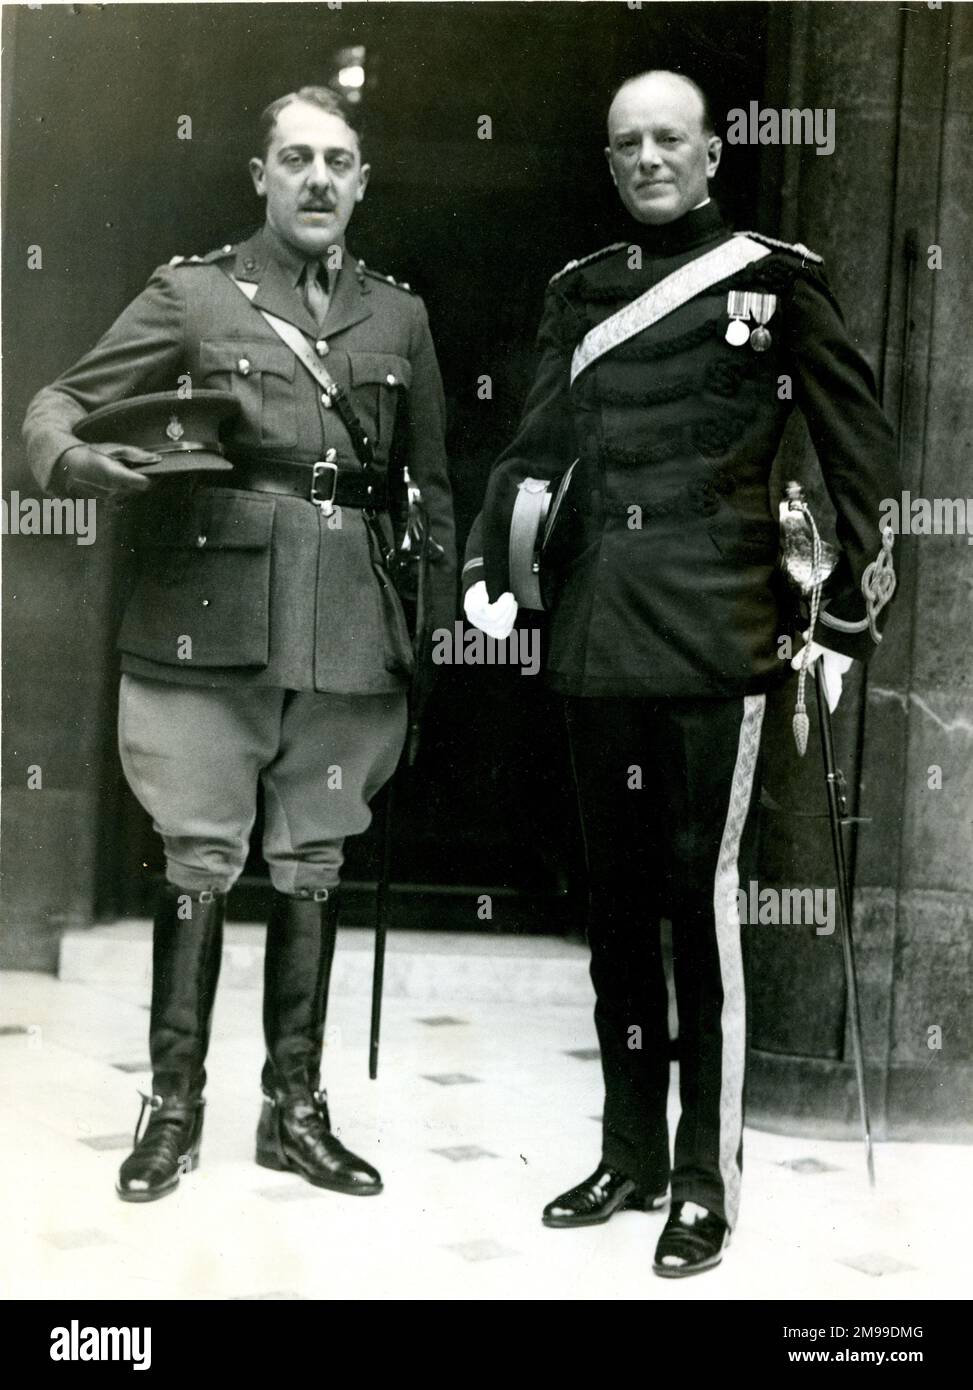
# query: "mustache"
x,y
318,206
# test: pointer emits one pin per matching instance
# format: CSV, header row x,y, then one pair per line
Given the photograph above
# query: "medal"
x,y
763,306
737,332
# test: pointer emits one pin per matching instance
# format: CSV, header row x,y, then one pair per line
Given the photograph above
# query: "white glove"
x,y
495,619
834,665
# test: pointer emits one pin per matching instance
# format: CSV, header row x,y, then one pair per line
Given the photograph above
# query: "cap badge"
x,y
174,430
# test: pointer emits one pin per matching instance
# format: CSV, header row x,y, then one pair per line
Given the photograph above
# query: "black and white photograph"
x,y
487,705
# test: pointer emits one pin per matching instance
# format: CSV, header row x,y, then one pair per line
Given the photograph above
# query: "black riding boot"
x,y
187,945
294,1133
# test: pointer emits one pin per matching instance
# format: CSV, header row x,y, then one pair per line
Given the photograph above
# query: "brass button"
x,y
326,399
205,603
243,366
331,455
227,248
390,379
200,541
321,348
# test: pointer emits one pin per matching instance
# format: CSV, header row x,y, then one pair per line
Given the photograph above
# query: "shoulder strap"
x,y
797,247
583,260
669,294
293,338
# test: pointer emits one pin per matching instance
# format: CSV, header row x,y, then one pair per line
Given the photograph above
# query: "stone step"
x,y
418,965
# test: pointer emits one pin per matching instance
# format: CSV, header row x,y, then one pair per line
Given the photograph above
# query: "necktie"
x,y
315,295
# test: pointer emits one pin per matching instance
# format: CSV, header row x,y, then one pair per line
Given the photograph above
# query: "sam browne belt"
x,y
322,481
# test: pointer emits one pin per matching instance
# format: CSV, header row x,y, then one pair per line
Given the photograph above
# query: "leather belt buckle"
x,y
326,504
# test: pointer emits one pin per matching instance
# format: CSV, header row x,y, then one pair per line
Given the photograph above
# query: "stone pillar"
x,y
897,185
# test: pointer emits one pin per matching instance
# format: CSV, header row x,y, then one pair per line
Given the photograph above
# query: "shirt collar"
x,y
293,263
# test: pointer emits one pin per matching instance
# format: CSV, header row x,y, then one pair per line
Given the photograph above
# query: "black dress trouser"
x,y
664,788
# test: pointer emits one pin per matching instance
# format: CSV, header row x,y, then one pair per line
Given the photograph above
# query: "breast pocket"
x,y
377,382
202,598
261,376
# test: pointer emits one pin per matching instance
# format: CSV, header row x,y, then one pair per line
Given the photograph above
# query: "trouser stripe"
x,y
726,913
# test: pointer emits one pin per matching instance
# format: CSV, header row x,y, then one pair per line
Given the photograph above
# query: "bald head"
x,y
661,79
661,151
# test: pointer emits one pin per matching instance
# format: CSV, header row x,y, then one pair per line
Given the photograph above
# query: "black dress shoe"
x,y
693,1240
596,1200
294,1136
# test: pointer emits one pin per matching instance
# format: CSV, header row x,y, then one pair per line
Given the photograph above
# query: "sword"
x,y
837,809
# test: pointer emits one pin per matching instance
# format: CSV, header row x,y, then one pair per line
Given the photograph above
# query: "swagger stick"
x,y
381,927
836,812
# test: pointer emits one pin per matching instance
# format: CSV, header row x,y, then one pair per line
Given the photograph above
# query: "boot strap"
x,y
178,1109
319,1097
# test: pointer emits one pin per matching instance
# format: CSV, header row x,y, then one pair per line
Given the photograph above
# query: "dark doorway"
x,y
477,226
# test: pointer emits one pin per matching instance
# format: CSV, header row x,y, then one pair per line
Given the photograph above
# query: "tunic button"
x,y
390,379
331,456
205,602
227,248
243,366
325,399
321,348
200,541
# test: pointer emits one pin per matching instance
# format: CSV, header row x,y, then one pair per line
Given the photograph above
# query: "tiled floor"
x,y
483,1111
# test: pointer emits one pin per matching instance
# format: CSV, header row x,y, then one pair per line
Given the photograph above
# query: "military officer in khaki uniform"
x,y
263,641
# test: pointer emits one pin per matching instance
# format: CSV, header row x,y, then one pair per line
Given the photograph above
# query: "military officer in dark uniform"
x,y
666,622
263,640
